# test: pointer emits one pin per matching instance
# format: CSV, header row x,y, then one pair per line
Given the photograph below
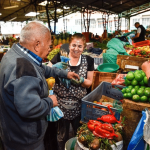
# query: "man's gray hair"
x,y
33,30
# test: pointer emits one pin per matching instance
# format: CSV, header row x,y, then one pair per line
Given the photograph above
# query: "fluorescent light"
x,y
12,19
0,13
9,7
57,1
32,14
59,10
44,3
66,7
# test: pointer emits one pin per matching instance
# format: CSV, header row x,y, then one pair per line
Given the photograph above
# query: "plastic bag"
x,y
119,80
115,47
137,142
147,127
55,113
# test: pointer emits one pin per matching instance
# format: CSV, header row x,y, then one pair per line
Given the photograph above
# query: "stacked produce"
x,y
61,38
143,52
54,52
136,87
95,134
128,47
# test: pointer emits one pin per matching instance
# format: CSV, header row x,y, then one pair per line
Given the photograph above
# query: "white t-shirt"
x,y
79,62
139,30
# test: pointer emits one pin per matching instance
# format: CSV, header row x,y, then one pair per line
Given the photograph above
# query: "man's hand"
x,y
54,99
61,65
72,75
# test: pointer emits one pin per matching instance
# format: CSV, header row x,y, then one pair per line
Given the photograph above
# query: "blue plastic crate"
x,y
90,113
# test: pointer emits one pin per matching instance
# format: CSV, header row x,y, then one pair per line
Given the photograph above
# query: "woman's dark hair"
x,y
78,36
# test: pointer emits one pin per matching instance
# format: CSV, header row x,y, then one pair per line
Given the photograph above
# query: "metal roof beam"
x,y
134,10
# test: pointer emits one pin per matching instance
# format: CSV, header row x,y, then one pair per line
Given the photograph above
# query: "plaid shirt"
x,y
36,58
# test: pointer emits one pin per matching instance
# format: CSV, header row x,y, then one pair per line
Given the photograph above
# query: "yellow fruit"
x,y
95,102
59,41
55,42
63,41
51,83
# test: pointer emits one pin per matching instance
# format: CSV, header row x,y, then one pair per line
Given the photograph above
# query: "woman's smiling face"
x,y
76,47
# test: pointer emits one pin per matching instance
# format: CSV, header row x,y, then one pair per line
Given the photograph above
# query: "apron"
x,y
69,100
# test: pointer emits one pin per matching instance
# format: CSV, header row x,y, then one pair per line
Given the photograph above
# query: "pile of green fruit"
x,y
136,87
53,53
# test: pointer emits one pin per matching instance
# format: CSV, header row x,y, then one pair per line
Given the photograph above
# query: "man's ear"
x,y
37,45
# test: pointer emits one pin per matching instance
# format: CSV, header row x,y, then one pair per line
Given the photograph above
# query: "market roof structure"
x,y
17,10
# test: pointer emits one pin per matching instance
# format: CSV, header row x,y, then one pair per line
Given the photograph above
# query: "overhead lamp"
x,y
12,19
57,1
9,7
0,14
32,14
59,10
66,7
44,3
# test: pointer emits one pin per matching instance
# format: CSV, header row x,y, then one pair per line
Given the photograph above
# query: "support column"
x,y
55,17
129,23
49,26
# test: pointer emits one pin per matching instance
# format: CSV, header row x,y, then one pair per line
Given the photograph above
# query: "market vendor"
x,y
24,98
141,32
69,98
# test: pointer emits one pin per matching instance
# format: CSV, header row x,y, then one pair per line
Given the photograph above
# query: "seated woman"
x,y
69,99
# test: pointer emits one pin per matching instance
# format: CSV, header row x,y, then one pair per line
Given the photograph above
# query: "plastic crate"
x,y
141,44
90,113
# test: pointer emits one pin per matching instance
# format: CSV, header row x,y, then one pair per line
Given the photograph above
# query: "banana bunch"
x,y
53,53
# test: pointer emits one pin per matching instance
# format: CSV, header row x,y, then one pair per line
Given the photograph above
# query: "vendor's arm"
x,y
90,71
137,34
88,82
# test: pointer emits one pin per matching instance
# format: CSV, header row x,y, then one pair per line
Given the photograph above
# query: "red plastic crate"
x,y
142,43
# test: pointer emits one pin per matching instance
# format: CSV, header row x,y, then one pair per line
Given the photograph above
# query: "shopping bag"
x,y
147,127
137,142
55,113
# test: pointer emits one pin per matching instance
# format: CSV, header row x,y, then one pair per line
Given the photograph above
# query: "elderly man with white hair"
x,y
24,98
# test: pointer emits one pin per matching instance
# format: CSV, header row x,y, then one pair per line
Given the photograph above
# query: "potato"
x,y
95,144
119,138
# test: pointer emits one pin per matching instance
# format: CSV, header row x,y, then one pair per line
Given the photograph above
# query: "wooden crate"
x,y
98,77
131,61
